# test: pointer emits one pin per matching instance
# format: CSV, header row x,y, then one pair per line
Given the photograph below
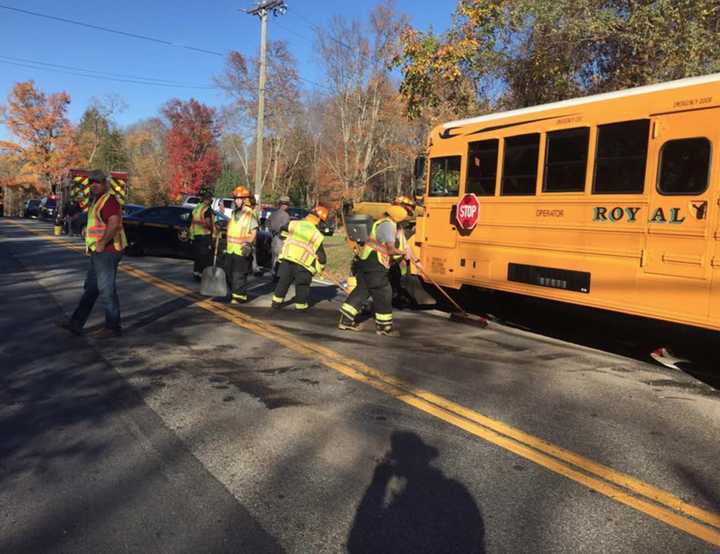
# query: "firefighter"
x,y
372,265
301,257
202,229
241,233
400,266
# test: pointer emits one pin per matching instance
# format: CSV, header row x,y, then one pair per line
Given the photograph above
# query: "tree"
x,y
282,95
191,143
515,53
46,140
145,144
357,67
101,143
227,181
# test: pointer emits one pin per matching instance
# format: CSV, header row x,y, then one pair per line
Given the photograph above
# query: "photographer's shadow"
x,y
411,507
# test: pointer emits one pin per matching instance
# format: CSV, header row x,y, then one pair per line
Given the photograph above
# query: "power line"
x,y
114,31
316,28
95,71
90,74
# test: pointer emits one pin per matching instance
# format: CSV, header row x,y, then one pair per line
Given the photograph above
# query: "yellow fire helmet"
x,y
397,213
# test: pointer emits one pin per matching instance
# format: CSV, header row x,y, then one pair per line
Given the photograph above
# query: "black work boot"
x,y
385,329
347,324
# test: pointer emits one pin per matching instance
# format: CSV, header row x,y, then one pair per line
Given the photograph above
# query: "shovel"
x,y
213,278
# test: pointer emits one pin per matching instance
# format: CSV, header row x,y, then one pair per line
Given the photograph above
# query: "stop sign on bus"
x,y
467,212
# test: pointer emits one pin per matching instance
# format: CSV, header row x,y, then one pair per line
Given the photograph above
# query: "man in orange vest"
x,y
241,233
104,243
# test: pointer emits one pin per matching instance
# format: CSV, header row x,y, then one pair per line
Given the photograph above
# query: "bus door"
x,y
440,233
681,207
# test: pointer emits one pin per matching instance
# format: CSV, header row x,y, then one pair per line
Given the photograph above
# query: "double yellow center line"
x,y
619,486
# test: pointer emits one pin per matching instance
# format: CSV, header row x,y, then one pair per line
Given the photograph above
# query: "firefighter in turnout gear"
x,y
372,265
400,266
241,233
301,257
202,229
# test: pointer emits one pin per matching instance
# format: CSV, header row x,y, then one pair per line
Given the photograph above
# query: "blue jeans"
x,y
100,281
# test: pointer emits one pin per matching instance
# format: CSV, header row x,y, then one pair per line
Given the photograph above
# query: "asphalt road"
x,y
210,428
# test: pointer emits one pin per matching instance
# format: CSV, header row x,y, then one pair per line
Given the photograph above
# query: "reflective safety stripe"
x,y
199,225
239,296
301,306
278,299
348,310
384,318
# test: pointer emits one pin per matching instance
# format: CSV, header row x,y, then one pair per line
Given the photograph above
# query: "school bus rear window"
x,y
621,157
445,176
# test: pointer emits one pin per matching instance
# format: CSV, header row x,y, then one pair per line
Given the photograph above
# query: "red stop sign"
x,y
467,212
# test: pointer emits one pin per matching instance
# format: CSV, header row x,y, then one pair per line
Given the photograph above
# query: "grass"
x,y
339,255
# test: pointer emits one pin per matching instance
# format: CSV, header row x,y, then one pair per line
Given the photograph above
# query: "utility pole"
x,y
264,7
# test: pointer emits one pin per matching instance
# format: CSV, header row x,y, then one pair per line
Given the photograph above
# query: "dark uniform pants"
x,y
288,273
201,252
239,267
372,281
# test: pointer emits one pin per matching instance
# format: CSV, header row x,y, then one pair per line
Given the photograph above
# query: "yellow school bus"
x,y
609,201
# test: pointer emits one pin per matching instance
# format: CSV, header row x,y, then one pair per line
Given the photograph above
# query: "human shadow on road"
x,y
411,507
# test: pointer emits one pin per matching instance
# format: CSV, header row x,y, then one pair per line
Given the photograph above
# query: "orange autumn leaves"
x,y
46,145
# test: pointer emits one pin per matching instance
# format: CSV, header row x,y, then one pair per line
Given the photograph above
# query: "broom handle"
x,y
442,291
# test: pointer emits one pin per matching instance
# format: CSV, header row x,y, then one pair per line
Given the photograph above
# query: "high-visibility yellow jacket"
x,y
239,231
96,227
373,245
199,226
302,244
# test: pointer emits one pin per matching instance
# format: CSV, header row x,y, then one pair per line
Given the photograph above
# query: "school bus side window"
x,y
482,167
566,160
621,157
684,166
445,176
520,165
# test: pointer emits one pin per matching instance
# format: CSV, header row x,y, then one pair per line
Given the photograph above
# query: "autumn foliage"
x,y
46,146
193,156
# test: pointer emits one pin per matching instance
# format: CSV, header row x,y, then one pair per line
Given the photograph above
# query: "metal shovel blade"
x,y
213,282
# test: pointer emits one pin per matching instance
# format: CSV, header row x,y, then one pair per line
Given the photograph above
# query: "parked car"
x,y
129,209
32,208
163,231
48,208
223,206
191,202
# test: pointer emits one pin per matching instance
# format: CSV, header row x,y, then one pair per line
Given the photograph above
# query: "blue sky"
x,y
216,25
